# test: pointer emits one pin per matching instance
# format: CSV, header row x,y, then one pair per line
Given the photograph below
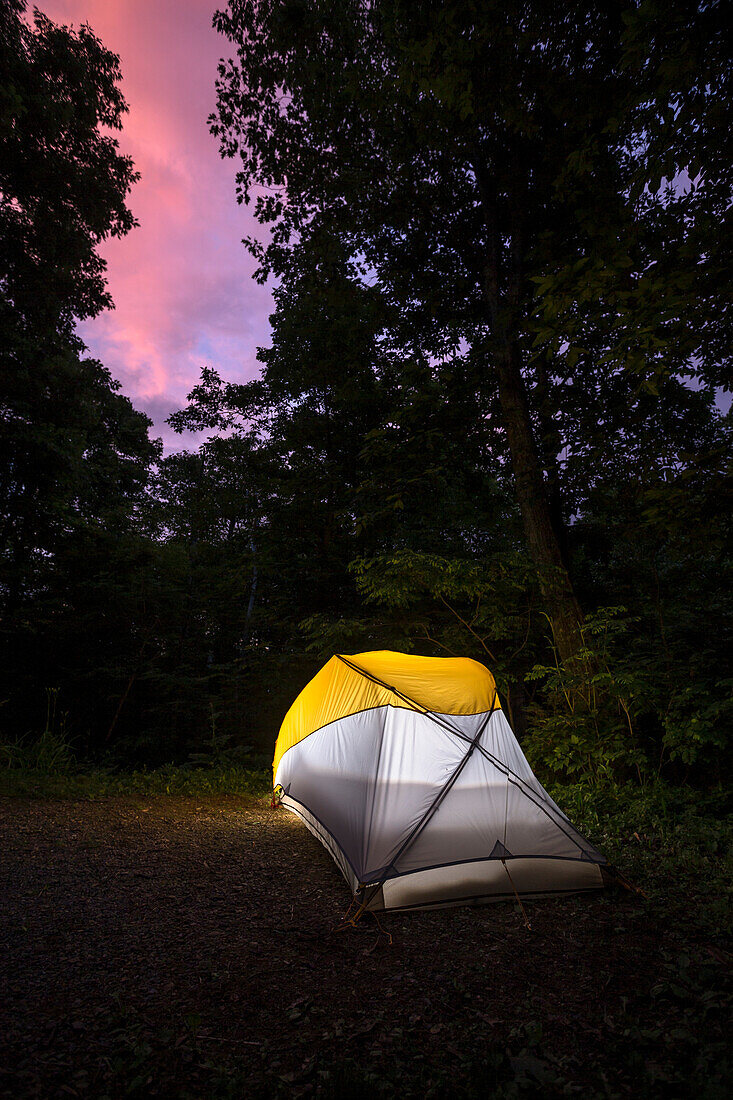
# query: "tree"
x,y
471,156
74,454
72,446
306,420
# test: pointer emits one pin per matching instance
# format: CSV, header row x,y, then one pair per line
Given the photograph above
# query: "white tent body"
x,y
424,808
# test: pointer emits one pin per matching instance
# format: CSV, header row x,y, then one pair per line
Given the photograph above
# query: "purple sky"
x,y
181,281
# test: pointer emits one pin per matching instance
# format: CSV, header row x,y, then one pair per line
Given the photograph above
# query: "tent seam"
x,y
381,706
487,859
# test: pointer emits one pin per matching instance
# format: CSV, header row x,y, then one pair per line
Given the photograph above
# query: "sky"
x,y
182,281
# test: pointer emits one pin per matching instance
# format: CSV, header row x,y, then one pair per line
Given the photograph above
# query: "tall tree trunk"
x,y
503,280
550,447
557,591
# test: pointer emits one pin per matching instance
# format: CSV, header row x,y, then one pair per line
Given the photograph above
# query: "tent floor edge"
x,y
476,901
461,884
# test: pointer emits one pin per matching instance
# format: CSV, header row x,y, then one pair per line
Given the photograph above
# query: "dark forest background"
x,y
486,423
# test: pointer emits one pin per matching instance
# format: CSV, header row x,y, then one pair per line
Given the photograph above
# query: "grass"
x,y
47,768
173,779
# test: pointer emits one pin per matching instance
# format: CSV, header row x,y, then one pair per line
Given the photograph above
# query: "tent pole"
x,y
498,764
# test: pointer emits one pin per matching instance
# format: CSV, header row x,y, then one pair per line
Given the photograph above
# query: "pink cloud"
x,y
182,281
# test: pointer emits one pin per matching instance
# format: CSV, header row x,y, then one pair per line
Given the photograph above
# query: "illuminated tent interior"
x,y
407,771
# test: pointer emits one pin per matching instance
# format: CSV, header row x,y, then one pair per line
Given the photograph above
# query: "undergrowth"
x,y
673,843
170,779
46,767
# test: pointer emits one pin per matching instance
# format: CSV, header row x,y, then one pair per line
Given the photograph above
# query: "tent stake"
x,y
382,930
613,875
346,920
516,895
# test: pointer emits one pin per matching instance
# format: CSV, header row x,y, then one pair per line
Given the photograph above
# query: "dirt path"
x,y
186,946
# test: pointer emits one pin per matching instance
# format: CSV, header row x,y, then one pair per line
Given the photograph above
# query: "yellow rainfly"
x,y
443,685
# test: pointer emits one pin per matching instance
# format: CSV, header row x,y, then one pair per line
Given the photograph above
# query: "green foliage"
x,y
617,710
676,841
47,768
325,635
21,779
699,719
585,723
48,755
447,189
482,607
220,749
543,222
74,454
519,183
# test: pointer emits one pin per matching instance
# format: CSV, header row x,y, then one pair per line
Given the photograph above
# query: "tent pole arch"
x,y
503,768
401,765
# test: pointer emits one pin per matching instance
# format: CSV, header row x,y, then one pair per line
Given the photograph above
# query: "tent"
x,y
407,771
